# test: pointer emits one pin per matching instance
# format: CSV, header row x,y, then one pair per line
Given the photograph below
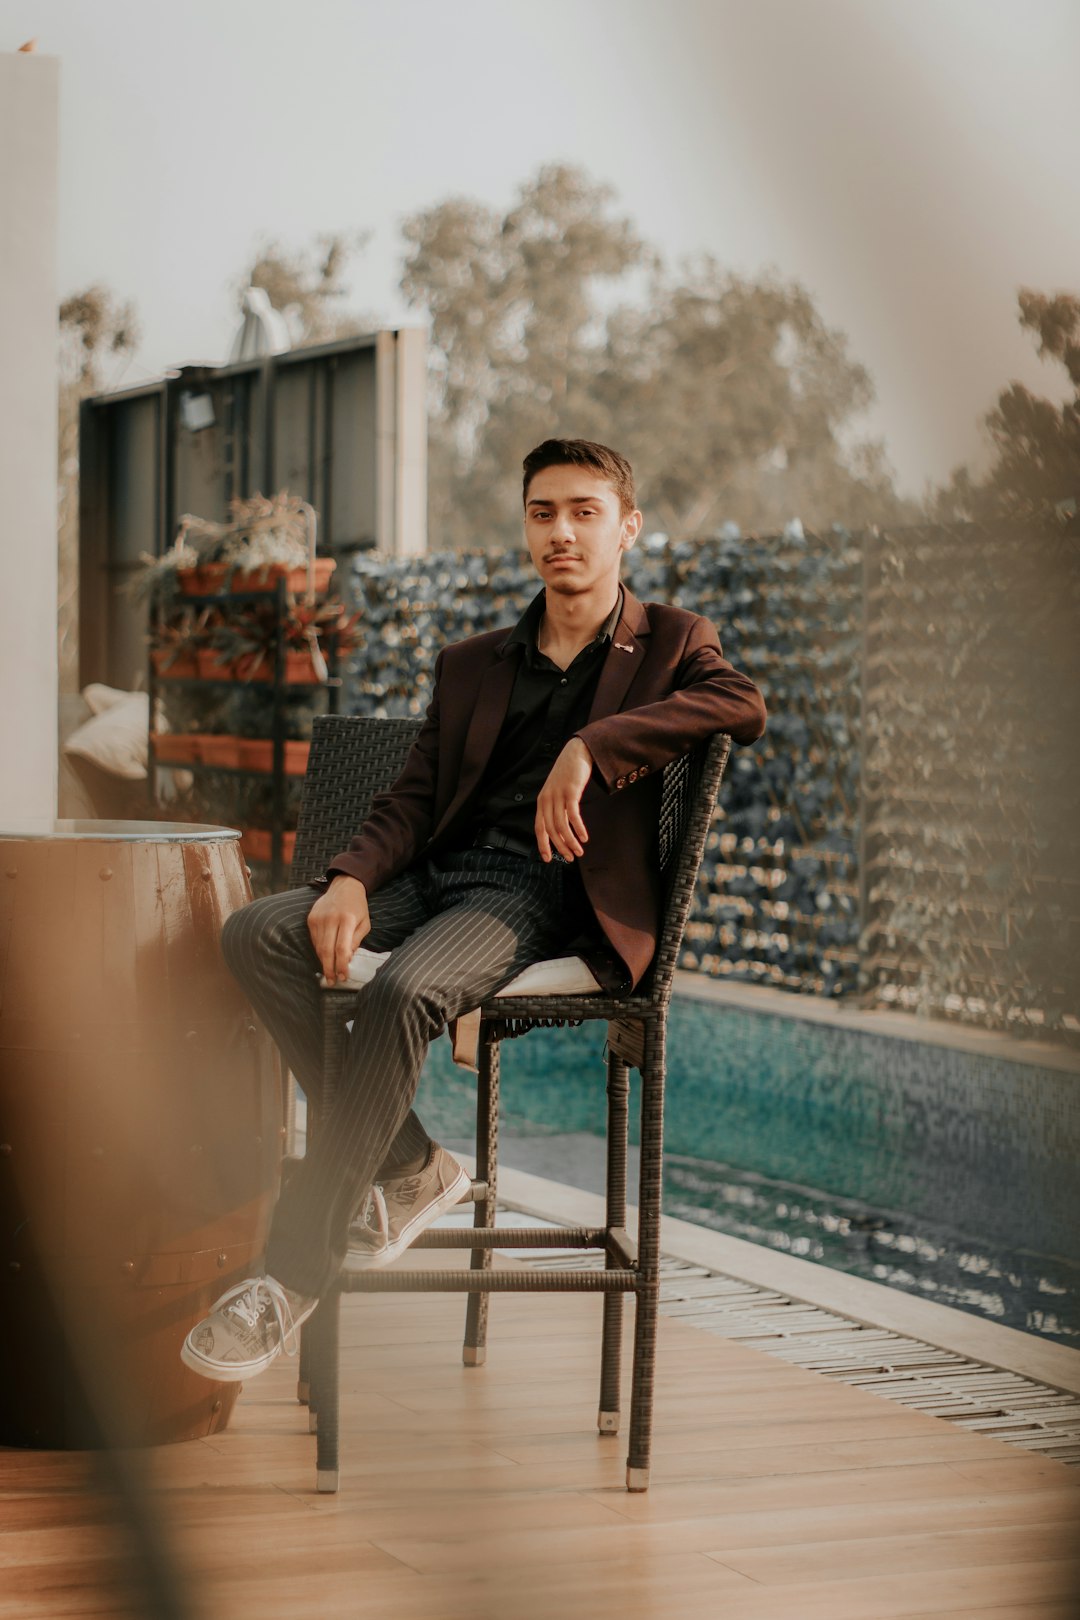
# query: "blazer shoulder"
x,y
676,623
481,647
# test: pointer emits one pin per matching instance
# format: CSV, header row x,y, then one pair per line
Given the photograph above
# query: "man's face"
x,y
575,531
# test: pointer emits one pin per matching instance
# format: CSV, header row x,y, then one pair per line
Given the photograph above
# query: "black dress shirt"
x,y
547,706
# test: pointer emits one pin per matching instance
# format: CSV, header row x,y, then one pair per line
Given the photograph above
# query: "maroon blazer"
x,y
664,686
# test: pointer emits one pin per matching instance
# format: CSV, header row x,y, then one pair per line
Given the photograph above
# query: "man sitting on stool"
x,y
524,818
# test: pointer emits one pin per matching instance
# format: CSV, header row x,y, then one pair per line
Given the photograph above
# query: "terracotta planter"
x,y
258,844
299,669
256,666
206,580
257,754
218,750
176,748
296,579
214,667
174,664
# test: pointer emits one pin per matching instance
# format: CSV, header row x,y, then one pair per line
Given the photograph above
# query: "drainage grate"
x,y
983,1399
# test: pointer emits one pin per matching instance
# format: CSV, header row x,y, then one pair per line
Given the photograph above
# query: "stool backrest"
x,y
354,757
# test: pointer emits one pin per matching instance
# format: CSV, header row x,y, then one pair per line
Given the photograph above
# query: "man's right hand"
x,y
338,922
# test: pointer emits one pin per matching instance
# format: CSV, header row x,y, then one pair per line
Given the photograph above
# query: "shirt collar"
x,y
527,627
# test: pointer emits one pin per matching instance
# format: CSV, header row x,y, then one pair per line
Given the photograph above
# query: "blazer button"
x,y
620,781
633,776
643,771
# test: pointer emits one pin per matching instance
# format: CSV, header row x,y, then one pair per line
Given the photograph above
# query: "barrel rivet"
x,y
206,874
216,1407
222,1260
128,1265
247,872
252,1030
105,874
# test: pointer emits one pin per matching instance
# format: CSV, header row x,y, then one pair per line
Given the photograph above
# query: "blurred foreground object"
x,y
140,1127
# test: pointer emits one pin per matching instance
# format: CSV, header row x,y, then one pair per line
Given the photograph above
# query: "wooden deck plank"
x,y
471,1494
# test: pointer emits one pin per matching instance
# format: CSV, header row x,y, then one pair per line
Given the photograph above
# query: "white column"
x,y
410,504
29,154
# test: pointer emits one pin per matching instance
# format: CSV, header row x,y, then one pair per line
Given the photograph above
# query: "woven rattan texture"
x,y
351,760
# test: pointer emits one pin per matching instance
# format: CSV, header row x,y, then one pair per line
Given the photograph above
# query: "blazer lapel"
x,y
624,658
489,711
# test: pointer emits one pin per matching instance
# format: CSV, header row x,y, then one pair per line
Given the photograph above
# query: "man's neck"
x,y
569,623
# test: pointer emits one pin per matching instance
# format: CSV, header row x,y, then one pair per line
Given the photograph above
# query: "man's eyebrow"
x,y
573,500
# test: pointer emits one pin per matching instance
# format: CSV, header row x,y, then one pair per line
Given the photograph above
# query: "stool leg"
x,y
327,1323
618,1092
648,1294
474,1350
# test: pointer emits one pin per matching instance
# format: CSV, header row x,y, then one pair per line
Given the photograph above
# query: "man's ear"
x,y
631,528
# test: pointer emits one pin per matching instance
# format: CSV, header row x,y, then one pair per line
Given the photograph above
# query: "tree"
x,y
1035,445
308,287
98,337
731,396
516,336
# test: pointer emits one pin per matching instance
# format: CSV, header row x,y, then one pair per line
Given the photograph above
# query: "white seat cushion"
x,y
559,976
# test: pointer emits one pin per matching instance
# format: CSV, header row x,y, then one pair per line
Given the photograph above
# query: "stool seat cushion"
x,y
558,976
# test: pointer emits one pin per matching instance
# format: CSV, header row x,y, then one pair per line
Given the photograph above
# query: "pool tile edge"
x,y
856,1298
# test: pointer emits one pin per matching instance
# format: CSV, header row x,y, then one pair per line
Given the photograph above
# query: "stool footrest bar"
x,y
488,1282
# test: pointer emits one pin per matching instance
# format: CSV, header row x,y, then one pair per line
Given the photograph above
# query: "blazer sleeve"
x,y
402,818
708,695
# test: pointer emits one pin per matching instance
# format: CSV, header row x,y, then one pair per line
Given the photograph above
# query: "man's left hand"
x,y
558,813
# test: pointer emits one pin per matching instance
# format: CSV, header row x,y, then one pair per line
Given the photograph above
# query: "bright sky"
x,y
912,162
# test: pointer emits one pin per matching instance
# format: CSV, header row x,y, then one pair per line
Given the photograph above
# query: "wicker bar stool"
x,y
351,760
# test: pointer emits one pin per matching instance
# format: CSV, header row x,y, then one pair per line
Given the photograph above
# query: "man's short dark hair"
x,y
583,453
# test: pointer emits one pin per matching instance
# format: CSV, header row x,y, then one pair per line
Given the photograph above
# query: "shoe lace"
x,y
375,1216
249,1300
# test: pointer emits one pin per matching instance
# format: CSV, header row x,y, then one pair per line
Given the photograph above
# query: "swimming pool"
x,y
948,1172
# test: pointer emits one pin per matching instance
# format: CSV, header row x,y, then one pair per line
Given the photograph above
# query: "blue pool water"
x,y
944,1173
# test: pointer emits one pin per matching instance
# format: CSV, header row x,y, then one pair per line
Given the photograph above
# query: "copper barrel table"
x,y
140,1127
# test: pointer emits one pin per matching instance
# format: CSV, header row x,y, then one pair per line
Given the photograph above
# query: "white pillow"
x,y
99,697
115,739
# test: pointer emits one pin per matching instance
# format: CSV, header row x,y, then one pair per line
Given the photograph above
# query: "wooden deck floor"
x,y
486,1494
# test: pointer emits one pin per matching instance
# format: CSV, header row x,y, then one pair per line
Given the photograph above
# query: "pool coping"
x,y
856,1298
760,998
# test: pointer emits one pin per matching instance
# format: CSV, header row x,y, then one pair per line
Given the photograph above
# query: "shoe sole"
x,y
419,1223
232,1372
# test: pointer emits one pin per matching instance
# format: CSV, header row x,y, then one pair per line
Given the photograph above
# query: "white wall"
x,y
29,150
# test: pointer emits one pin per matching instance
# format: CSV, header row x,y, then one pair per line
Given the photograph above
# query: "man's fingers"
x,y
543,843
577,826
343,949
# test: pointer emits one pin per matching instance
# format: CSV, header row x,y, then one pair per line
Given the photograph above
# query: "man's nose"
x,y
562,530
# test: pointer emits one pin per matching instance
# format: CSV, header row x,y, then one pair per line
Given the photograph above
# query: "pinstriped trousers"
x,y
458,927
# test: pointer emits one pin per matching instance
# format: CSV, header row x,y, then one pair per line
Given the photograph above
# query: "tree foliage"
x,y
731,396
308,286
1034,444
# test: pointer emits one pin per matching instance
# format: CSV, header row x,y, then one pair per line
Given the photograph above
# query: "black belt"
x,y
494,838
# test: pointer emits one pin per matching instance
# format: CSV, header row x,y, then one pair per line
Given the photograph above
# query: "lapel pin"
x,y
623,646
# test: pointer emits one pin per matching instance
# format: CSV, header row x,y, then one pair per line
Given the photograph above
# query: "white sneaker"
x,y
247,1329
398,1210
